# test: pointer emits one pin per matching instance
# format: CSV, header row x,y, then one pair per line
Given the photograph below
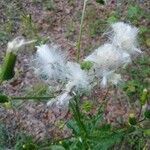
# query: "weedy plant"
x,y
75,79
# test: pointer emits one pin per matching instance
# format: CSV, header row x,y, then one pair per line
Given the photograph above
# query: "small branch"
x,y
27,98
141,120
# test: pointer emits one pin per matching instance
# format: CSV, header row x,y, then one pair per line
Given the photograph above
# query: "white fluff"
x,y
77,78
115,78
17,43
78,81
125,37
61,100
50,61
107,58
110,79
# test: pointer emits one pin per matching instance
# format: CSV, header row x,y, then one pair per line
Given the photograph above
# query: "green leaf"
x,y
147,114
29,146
112,19
56,147
4,98
87,106
147,132
86,65
100,2
108,140
73,125
134,12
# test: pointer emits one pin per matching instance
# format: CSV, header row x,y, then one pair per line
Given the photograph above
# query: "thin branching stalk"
x,y
30,97
80,33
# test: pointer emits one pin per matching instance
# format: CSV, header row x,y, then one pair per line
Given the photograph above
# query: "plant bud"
x,y
144,97
132,119
7,71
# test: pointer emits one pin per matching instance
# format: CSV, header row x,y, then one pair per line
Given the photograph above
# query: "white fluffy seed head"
x,y
124,36
107,58
50,62
17,43
61,101
110,78
76,77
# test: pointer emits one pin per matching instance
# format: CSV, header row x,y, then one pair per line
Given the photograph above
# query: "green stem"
x,y
77,116
31,97
7,71
81,29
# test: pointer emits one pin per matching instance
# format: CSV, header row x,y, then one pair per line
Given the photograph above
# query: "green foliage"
x,y
28,27
134,12
25,142
147,114
70,29
96,27
144,33
139,78
4,36
144,97
3,98
136,140
48,4
89,132
87,106
86,65
3,137
39,90
56,147
113,17
100,1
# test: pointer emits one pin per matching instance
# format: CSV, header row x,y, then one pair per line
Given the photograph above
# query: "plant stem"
x,y
30,97
77,115
80,33
8,66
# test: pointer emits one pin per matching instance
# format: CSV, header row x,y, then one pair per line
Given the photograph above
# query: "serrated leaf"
x,y
73,125
108,140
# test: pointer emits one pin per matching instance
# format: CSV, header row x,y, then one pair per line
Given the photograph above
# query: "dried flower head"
x,y
107,58
77,78
50,62
111,79
61,100
125,37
